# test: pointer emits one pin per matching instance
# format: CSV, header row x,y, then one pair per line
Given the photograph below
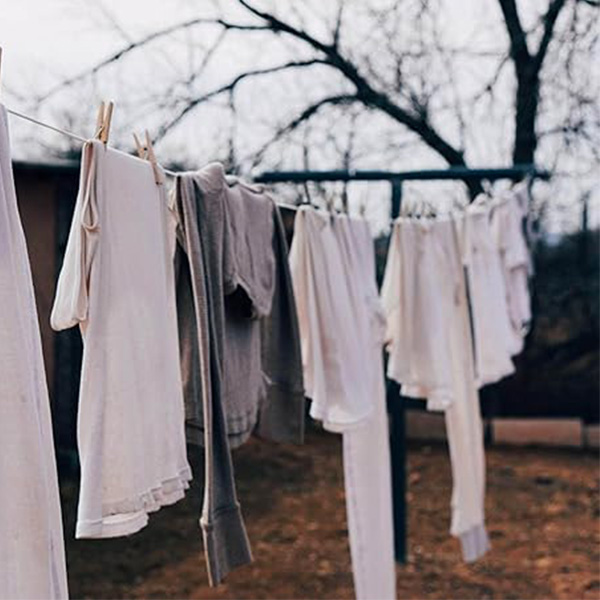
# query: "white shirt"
x,y
417,332
32,558
507,226
117,284
431,356
492,328
341,329
330,337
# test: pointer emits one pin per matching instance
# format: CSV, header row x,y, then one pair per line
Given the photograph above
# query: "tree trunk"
x,y
528,85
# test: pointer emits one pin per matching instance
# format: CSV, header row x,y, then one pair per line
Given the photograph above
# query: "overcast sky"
x,y
46,41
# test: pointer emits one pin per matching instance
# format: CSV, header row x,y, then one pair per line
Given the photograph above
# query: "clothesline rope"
x,y
64,132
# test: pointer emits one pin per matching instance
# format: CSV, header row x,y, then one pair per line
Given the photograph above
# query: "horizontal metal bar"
x,y
452,173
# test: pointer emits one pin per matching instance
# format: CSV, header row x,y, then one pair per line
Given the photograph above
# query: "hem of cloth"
x,y
437,400
320,413
127,517
474,543
495,376
282,417
226,543
261,305
194,433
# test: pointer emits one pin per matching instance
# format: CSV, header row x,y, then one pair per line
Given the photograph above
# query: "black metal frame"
x,y
395,402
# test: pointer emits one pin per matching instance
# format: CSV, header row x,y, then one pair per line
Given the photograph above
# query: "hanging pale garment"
x,y
331,353
507,227
431,356
492,327
117,284
32,558
367,464
341,329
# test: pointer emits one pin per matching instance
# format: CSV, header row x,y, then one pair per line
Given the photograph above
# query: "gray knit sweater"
x,y
239,341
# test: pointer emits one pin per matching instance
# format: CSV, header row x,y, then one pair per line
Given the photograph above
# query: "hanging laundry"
x,y
492,328
507,226
32,556
367,464
117,284
331,351
342,325
418,336
282,417
239,341
431,356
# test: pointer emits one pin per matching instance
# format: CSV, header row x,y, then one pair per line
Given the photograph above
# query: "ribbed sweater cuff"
x,y
475,543
226,543
282,418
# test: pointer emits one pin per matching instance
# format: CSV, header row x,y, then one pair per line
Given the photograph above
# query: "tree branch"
x,y
364,91
338,24
230,87
516,33
303,117
549,23
143,42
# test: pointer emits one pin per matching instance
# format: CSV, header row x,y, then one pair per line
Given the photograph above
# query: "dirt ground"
x,y
542,510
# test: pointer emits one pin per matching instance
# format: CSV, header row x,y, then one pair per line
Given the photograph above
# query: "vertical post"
x,y
396,411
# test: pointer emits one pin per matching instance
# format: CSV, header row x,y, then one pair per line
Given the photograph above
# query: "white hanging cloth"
x,y
493,335
431,356
117,284
32,558
341,326
507,226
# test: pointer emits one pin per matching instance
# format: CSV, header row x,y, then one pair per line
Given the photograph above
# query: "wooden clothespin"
x,y
141,150
104,121
146,152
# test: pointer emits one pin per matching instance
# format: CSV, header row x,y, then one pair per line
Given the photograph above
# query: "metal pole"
x,y
397,415
515,172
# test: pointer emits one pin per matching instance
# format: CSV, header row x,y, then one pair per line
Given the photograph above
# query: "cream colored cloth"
x,y
507,226
431,349
332,355
32,559
341,331
492,327
367,468
117,284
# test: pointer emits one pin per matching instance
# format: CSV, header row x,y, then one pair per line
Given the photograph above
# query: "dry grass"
x,y
542,515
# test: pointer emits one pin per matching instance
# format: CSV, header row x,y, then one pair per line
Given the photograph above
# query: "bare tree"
x,y
398,81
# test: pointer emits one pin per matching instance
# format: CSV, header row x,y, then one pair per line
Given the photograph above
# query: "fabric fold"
x,y
431,356
117,284
239,344
32,555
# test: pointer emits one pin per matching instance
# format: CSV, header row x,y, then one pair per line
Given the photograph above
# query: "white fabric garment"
x,y
348,257
417,335
367,466
507,226
435,357
492,327
32,558
332,358
117,284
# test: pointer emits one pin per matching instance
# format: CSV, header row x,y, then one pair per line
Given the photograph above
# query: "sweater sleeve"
x,y
225,540
282,416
